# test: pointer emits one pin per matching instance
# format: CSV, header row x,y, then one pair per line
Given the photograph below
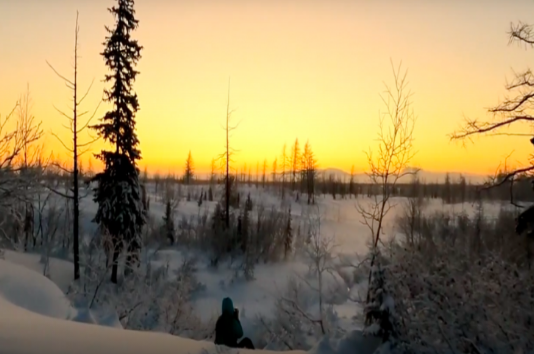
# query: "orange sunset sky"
x,y
299,69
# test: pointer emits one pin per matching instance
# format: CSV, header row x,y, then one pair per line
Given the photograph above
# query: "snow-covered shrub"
x,y
304,312
292,326
252,237
150,298
13,226
410,220
152,233
299,319
463,290
268,230
380,316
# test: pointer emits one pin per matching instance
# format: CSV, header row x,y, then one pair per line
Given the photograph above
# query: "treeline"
x,y
303,178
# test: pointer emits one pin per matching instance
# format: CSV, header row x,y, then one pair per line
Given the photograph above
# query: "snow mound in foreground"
x,y
22,284
25,332
30,290
33,313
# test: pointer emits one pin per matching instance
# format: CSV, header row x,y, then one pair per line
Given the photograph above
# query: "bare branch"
x,y
88,143
521,33
61,194
86,93
62,143
58,74
63,114
90,119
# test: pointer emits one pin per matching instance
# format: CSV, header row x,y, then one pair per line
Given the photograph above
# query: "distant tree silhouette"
x,y
309,168
144,179
463,189
157,183
168,222
332,185
257,174
275,166
200,198
244,229
90,170
415,190
295,163
189,172
248,203
213,173
446,196
288,236
264,174
352,191
118,194
284,166
75,149
210,194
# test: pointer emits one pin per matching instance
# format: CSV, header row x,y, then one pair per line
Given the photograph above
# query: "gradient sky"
x,y
299,69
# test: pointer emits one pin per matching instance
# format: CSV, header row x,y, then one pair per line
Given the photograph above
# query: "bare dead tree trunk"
x,y
76,201
227,159
227,177
75,150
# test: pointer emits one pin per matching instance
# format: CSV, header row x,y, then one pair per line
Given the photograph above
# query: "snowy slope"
x,y
33,318
61,271
32,321
24,332
27,289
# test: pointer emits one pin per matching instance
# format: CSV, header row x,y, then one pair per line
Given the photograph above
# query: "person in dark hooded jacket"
x,y
228,328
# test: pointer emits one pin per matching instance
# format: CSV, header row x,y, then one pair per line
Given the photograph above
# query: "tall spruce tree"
x,y
118,194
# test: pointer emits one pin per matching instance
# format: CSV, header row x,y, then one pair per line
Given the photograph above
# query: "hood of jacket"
x,y
227,306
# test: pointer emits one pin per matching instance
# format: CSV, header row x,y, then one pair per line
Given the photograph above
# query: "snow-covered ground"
x,y
36,318
34,312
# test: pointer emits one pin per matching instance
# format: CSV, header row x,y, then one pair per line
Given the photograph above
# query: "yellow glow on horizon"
x,y
311,70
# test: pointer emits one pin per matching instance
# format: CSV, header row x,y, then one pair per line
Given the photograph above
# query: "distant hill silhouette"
x,y
424,176
361,177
